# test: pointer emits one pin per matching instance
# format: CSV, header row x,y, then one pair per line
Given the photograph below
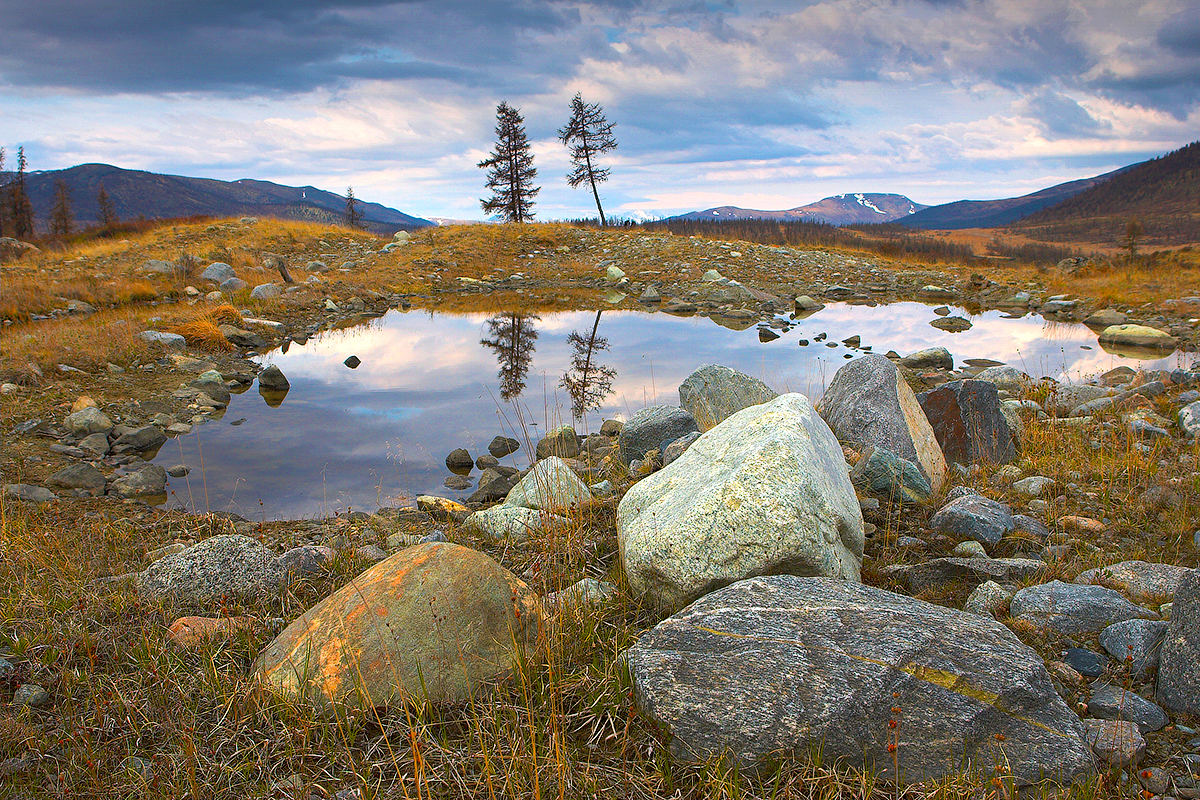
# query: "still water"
x,y
428,383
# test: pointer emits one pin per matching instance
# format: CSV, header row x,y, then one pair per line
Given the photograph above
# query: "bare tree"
x,y
354,214
60,213
588,134
106,215
510,169
587,382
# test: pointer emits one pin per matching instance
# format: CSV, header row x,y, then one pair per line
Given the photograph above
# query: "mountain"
x,y
995,213
135,193
1162,194
842,209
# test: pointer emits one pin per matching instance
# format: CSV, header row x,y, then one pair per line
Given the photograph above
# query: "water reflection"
x,y
428,384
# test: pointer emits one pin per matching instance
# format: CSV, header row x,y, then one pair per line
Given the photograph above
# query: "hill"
x,y
842,209
1163,194
135,193
996,213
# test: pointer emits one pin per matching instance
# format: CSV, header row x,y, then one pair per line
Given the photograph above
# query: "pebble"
x,y
1085,662
31,695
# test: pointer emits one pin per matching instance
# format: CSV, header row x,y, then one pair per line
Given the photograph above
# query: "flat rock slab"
x,y
1070,608
793,665
764,492
1113,702
1140,581
713,392
231,564
941,572
433,621
1179,665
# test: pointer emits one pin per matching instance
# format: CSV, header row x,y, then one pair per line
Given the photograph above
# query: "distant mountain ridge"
x,y
841,209
995,213
136,193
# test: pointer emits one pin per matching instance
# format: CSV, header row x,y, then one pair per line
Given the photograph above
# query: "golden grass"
x,y
203,334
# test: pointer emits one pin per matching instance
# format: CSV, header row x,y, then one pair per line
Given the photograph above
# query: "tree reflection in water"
x,y
587,382
512,337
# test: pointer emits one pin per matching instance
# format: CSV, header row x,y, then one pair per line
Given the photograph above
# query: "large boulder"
x,y
149,481
764,492
230,564
1137,336
562,442
432,622
712,393
1179,665
869,403
969,423
550,486
217,273
652,428
801,665
1140,581
1069,608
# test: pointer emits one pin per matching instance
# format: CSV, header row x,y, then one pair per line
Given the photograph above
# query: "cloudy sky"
x,y
759,104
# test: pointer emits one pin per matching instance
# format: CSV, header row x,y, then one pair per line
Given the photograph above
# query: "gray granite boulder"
x,y
146,439
28,493
150,481
975,517
172,341
233,565
1179,665
1135,643
562,442
1189,419
969,423
800,665
88,421
676,448
929,358
79,476
217,273
1069,608
510,522
1140,581
1113,702
1066,397
494,484
1117,743
712,393
988,598
1005,378
265,291
653,427
550,486
869,403
764,492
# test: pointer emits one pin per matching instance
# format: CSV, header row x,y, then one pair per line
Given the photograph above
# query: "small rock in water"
x,y
352,362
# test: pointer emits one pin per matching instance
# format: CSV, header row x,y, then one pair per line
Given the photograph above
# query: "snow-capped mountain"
x,y
842,209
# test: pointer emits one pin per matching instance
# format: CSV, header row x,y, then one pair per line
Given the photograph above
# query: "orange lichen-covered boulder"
x,y
433,621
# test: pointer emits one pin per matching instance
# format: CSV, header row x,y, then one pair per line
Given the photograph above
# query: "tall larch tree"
x,y
354,214
588,134
106,214
60,212
20,208
510,169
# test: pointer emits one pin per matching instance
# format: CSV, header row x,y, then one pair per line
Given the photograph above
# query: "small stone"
x,y
969,549
352,362
31,695
192,632
1085,662
988,599
1115,742
1034,486
502,446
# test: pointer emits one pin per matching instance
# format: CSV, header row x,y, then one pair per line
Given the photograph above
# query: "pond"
x,y
377,435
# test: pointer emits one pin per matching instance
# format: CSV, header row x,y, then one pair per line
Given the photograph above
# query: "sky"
x,y
766,105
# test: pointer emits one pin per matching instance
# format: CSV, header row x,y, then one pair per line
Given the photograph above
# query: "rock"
x,y
1034,485
1077,524
494,485
1116,743
869,403
968,422
502,446
217,273
969,549
1179,664
1113,702
1069,608
1135,643
457,483
614,274
265,291
766,491
1140,581
370,553
146,439
230,564
172,341
677,448
1104,318
550,486
975,517
583,594
30,494
459,461
794,665
988,599
712,393
880,471
436,536
214,390
242,338
79,476
433,622
1066,397
1085,662
95,444
485,461
939,573
441,509
1139,336
929,358
1005,378
192,632
952,324
32,696
611,427
1189,419
352,362
510,522
307,560
806,306
150,481
651,428
88,421
273,379
562,442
